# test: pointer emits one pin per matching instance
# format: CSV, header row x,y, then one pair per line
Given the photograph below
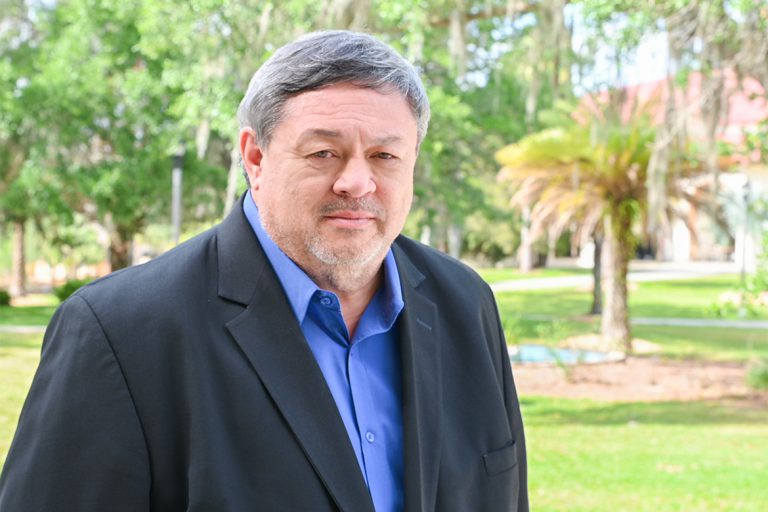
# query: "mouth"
x,y
350,219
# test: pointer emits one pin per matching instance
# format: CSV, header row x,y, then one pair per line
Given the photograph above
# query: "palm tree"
x,y
592,173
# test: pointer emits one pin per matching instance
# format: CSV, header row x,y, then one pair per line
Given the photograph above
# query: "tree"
x,y
593,172
112,128
22,110
715,47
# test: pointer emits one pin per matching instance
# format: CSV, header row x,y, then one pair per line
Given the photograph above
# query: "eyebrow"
x,y
324,133
318,132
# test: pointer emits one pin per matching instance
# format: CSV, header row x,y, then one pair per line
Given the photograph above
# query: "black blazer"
x,y
185,384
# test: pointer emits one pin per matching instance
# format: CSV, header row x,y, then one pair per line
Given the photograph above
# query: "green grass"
x,y
560,303
672,456
715,343
690,298
585,455
28,315
693,298
697,456
497,275
549,316
19,354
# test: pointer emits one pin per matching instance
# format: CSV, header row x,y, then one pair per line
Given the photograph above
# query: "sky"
x,y
647,64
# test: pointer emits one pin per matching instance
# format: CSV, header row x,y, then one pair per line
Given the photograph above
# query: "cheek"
x,y
398,199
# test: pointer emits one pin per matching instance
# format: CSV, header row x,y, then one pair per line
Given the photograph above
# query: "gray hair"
x,y
321,59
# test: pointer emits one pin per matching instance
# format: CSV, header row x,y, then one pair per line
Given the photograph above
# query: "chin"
x,y
357,255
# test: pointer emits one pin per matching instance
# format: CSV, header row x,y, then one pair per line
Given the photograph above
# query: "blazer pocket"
x,y
500,460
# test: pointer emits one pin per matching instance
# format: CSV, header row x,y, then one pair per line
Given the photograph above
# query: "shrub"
x,y
757,377
64,291
5,298
751,299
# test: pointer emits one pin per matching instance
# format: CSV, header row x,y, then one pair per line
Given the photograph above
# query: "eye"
x,y
323,155
385,156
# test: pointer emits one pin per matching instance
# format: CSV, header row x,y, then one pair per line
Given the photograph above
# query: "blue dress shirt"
x,y
363,373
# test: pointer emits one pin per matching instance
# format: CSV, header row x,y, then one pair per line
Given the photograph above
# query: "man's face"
x,y
335,184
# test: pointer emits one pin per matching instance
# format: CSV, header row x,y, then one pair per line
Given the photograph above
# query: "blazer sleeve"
x,y
515,417
78,446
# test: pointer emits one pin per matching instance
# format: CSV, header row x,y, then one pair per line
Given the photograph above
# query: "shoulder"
x,y
175,275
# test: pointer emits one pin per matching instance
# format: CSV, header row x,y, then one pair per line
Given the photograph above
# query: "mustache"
x,y
362,204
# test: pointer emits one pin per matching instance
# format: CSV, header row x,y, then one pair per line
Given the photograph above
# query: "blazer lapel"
x,y
422,389
271,339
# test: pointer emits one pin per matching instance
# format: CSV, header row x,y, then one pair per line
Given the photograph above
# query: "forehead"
x,y
346,106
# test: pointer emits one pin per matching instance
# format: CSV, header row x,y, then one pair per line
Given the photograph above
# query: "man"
x,y
302,355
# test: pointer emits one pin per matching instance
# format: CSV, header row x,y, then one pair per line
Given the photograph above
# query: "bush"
x,y
5,298
64,291
757,377
751,299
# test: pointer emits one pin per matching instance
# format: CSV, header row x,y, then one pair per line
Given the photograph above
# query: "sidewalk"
x,y
639,271
22,329
676,322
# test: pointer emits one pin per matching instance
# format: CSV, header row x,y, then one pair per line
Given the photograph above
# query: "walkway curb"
x,y
674,322
23,329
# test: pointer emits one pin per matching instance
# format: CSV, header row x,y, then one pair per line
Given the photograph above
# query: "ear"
x,y
252,155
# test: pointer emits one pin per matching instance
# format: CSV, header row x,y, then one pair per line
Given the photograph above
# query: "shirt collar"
x,y
298,286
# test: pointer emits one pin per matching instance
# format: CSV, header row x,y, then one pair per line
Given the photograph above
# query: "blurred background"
x,y
602,164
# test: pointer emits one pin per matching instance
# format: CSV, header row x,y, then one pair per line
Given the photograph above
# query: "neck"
x,y
354,293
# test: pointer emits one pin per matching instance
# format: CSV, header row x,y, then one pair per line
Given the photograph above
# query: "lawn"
x,y
549,316
593,456
690,298
586,455
695,456
683,298
36,315
715,343
583,455
19,354
497,275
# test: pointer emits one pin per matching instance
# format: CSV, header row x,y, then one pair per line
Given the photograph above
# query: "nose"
x,y
355,179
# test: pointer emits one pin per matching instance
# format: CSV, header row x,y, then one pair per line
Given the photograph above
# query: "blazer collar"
x,y
241,261
270,337
422,388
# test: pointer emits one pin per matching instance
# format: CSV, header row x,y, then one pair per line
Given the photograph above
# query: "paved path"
x,y
676,322
22,329
702,322
639,271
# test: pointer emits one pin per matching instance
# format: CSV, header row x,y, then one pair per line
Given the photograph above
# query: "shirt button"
x,y
370,436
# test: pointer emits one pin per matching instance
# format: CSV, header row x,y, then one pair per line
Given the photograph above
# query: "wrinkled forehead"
x,y
332,112
343,97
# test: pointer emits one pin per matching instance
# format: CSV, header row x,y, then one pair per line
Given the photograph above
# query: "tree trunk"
x,y
552,237
233,179
426,235
18,286
618,249
454,240
525,251
597,288
120,248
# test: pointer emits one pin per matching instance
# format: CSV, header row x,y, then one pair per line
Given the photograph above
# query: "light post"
x,y
745,233
176,174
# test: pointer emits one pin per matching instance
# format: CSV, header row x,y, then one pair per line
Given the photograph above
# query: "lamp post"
x,y
176,174
745,233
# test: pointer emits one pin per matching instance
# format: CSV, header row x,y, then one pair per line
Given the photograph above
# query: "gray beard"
x,y
347,273
316,248
341,272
